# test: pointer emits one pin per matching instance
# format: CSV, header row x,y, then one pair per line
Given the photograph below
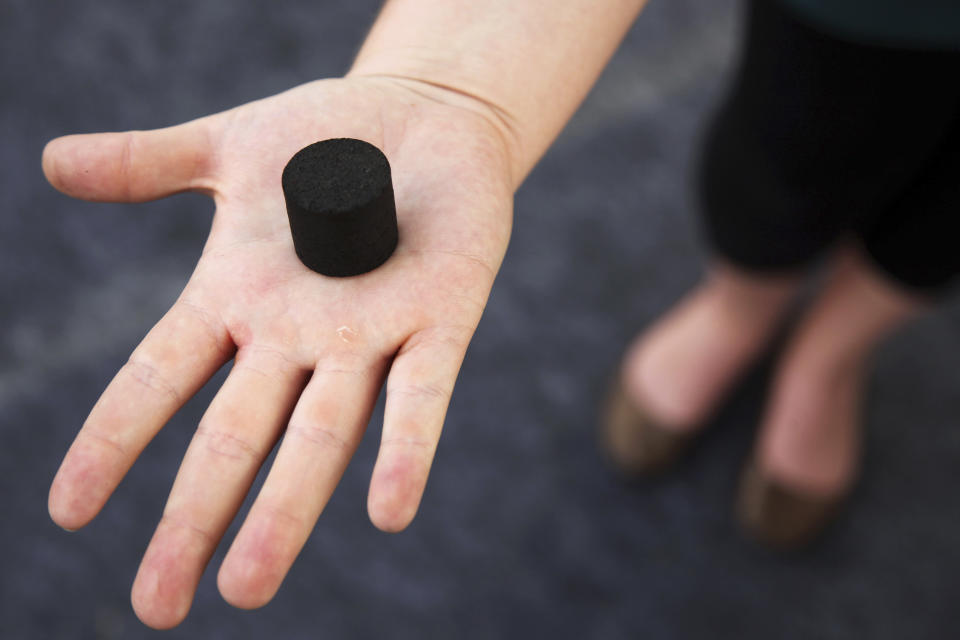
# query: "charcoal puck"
x,y
340,204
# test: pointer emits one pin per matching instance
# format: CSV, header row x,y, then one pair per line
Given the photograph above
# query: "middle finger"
x,y
325,429
236,433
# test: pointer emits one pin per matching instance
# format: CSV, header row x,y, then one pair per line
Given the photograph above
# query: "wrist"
x,y
525,66
432,83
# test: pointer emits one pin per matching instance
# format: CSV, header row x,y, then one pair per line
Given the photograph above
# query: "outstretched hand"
x,y
311,352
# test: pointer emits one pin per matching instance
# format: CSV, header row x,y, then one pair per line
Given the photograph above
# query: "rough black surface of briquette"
x,y
339,196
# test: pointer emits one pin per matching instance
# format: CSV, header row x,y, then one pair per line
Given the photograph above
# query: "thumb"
x,y
132,166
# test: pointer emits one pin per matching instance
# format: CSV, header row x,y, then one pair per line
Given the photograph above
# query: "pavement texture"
x,y
523,532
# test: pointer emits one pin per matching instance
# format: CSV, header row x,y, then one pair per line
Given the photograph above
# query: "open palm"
x,y
311,352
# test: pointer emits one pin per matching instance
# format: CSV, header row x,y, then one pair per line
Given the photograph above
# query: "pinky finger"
x,y
419,386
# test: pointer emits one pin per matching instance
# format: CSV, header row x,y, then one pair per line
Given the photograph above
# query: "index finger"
x,y
175,359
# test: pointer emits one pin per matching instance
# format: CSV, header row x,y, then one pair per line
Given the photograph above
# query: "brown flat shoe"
x,y
779,517
635,443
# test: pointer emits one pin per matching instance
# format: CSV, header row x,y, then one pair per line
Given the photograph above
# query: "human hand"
x,y
311,352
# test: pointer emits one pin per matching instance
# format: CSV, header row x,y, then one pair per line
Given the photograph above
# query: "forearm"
x,y
529,63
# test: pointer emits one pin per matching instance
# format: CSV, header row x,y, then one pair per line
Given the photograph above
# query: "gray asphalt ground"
x,y
523,532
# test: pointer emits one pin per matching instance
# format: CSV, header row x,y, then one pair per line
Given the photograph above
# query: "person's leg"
x,y
761,240
675,373
763,177
807,456
681,367
914,240
808,451
817,136
810,431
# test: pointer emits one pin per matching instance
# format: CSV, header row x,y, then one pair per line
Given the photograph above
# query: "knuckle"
x,y
345,363
318,434
424,391
219,336
172,521
125,170
223,444
269,362
408,442
453,336
150,377
103,441
282,516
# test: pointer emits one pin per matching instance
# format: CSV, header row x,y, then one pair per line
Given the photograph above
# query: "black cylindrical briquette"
x,y
340,203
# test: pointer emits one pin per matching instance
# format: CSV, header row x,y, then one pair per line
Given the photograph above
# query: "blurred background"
x,y
523,532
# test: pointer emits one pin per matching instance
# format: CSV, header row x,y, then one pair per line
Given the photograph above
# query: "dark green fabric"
x,y
929,24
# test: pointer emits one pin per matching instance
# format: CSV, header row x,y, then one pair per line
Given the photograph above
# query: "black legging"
x,y
821,138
